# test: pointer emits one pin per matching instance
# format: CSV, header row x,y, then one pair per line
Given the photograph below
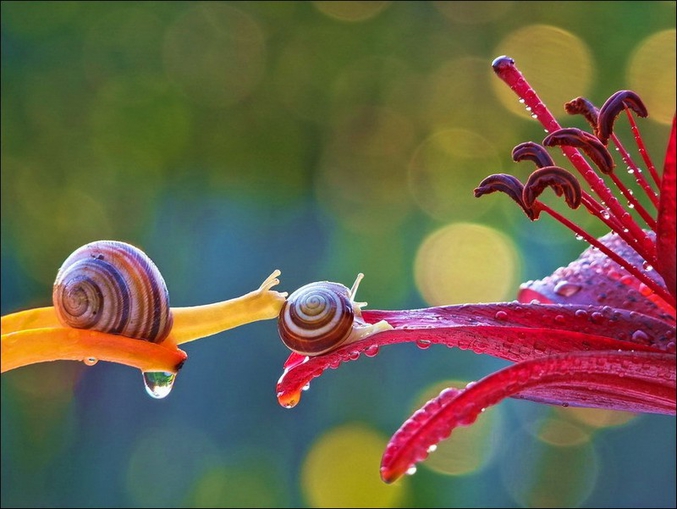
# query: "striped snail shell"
x,y
320,317
113,287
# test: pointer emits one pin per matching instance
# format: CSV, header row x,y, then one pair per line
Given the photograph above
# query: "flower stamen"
x,y
530,151
509,185
562,182
612,107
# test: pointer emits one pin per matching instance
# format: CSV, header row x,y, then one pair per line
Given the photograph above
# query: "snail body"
x,y
113,287
323,316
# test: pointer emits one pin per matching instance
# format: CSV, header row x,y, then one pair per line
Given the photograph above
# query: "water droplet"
x,y
578,237
423,343
371,351
306,387
566,289
90,361
501,315
432,448
640,335
560,319
411,470
354,355
565,405
647,266
158,383
581,313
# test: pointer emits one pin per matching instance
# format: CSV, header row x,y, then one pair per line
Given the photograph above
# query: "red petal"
x,y
625,377
665,243
595,279
510,331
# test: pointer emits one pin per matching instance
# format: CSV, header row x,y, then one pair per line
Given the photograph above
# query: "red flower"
x,y
597,333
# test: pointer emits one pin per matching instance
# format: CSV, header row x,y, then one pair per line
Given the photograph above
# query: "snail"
x,y
108,295
323,316
114,287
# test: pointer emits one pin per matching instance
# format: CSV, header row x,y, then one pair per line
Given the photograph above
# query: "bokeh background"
x,y
228,139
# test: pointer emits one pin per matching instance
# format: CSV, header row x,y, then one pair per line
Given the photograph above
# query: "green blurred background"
x,y
228,139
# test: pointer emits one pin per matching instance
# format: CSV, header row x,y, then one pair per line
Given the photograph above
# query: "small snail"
x,y
323,316
111,286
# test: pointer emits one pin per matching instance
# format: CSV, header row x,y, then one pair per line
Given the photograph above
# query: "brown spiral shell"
x,y
316,318
113,287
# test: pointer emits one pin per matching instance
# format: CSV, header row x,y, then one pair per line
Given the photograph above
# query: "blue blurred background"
x,y
228,139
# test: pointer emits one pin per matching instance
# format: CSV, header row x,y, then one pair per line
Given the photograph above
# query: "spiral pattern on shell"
x,y
113,287
316,318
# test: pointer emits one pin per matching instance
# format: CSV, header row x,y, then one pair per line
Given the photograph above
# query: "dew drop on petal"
x,y
158,383
566,289
501,315
90,361
411,470
306,387
371,351
647,266
432,448
640,335
423,343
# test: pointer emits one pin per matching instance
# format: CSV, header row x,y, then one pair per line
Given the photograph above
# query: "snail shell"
x,y
113,287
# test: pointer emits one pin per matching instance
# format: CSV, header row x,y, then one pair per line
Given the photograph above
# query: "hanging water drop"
x,y
90,361
371,351
423,343
411,471
158,383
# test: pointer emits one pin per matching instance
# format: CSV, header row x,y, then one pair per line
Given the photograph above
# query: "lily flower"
x,y
599,333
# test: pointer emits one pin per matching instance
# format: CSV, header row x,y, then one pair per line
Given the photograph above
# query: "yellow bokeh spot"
x,y
651,73
445,169
351,11
562,433
466,262
597,417
342,470
223,486
557,64
473,12
469,448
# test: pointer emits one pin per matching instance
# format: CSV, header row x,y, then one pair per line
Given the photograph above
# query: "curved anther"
x,y
593,148
561,181
612,107
530,151
581,106
506,184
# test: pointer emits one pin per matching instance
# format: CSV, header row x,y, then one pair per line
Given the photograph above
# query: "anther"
x,y
593,148
581,106
560,180
612,107
530,151
506,184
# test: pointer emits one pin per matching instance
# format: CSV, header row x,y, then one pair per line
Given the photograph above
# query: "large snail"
x,y
108,295
323,316
113,287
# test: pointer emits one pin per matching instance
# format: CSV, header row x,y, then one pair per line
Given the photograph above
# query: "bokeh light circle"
x,y
651,73
557,63
342,470
215,53
538,474
444,170
473,12
351,11
466,262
